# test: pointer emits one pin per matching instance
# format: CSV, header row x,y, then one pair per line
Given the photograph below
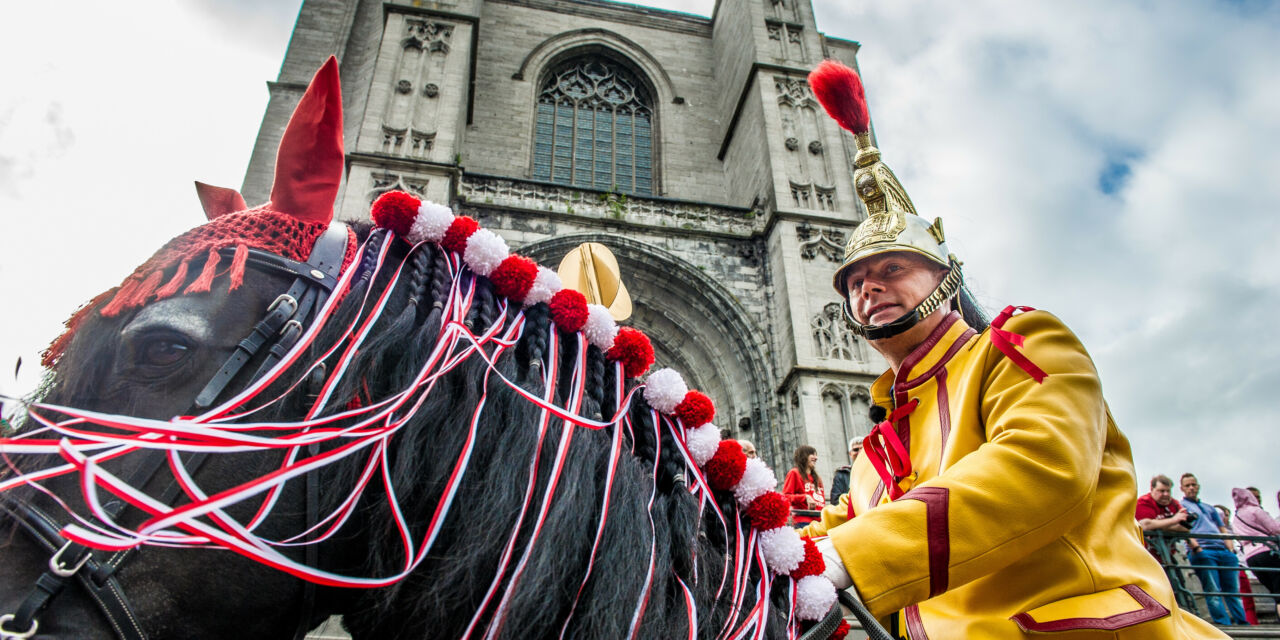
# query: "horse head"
x,y
451,444
175,336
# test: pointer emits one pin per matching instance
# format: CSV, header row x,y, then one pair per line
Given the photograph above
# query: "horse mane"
x,y
440,597
652,521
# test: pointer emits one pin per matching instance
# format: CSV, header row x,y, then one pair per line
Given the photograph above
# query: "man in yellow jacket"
x,y
996,499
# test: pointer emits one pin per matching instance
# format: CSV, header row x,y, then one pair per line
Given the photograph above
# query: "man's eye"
x,y
163,352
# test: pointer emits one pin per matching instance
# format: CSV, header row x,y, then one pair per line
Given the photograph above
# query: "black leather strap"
x,y
108,595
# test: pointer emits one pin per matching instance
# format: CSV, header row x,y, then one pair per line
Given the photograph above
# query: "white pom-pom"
x,y
664,390
600,328
546,284
783,549
702,443
814,597
485,251
757,479
431,223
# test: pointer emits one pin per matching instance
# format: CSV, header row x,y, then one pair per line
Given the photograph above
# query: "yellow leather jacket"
x,y
1017,517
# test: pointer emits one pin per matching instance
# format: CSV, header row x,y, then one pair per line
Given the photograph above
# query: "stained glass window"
x,y
594,128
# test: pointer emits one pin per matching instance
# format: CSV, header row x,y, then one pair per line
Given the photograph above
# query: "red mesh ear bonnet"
x,y
309,166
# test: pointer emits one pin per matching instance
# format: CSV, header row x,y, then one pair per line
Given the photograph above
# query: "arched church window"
x,y
594,128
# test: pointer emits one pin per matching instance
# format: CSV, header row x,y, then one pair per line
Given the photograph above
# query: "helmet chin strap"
x,y
949,286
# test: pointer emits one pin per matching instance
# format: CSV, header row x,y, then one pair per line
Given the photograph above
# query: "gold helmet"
x,y
892,224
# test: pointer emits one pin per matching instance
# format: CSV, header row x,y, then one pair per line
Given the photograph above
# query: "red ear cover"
x,y
309,163
839,89
218,201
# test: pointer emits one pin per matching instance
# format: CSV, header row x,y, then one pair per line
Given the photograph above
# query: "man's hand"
x,y
1179,517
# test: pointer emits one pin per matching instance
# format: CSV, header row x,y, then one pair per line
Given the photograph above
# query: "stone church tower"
x,y
690,146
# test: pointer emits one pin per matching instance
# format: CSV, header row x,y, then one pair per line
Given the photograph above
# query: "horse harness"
x,y
281,326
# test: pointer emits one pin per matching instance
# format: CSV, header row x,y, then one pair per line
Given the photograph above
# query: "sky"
x,y
1111,161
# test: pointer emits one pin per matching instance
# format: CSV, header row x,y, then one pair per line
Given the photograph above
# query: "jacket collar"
x,y
923,363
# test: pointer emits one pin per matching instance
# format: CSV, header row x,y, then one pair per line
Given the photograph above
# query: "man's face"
x,y
854,451
1162,494
749,449
1190,487
885,287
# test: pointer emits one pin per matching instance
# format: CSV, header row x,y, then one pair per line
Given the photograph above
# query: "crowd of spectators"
x,y
1217,562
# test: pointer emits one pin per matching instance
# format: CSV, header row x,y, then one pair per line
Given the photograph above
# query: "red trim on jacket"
x,y
1151,610
937,533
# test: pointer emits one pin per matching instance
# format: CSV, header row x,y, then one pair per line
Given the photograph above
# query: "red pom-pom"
x,y
841,631
839,89
395,210
513,277
725,468
768,511
455,239
812,565
569,310
633,349
695,410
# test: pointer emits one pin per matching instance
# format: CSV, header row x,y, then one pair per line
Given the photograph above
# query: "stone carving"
x,y
387,181
814,242
392,139
802,195
426,34
809,174
422,142
775,31
431,90
540,196
825,197
832,336
404,86
793,90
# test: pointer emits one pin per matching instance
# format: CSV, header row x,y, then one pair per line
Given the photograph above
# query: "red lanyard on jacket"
x,y
886,452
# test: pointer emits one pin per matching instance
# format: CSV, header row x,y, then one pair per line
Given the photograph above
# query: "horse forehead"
x,y
197,315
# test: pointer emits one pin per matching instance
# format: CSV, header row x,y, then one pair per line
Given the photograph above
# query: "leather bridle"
x,y
280,328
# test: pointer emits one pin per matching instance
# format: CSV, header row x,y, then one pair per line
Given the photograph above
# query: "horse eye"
x,y
163,352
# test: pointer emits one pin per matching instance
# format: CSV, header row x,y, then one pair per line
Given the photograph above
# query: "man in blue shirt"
x,y
1212,552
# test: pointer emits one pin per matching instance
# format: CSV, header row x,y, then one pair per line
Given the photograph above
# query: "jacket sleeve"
x,y
793,489
833,515
1032,481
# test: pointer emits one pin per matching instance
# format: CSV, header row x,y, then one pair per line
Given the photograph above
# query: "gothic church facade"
x,y
690,146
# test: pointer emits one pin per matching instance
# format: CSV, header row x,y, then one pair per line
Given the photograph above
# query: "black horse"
x,y
549,529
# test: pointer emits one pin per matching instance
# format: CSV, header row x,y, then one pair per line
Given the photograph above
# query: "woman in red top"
x,y
803,486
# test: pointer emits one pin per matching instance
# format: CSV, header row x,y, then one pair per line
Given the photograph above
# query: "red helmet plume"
x,y
839,89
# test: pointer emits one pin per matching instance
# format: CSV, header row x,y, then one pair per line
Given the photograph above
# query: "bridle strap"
x,y
318,276
67,560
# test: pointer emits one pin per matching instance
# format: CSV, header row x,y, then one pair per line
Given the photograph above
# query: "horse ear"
x,y
219,200
310,159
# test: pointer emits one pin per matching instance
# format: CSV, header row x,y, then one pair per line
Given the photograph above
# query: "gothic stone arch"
x,y
695,325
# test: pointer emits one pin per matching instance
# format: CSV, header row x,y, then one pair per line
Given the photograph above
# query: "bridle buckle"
x,y
6,634
60,569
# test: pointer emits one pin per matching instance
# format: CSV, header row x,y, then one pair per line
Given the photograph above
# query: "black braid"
x,y
441,283
532,348
595,382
